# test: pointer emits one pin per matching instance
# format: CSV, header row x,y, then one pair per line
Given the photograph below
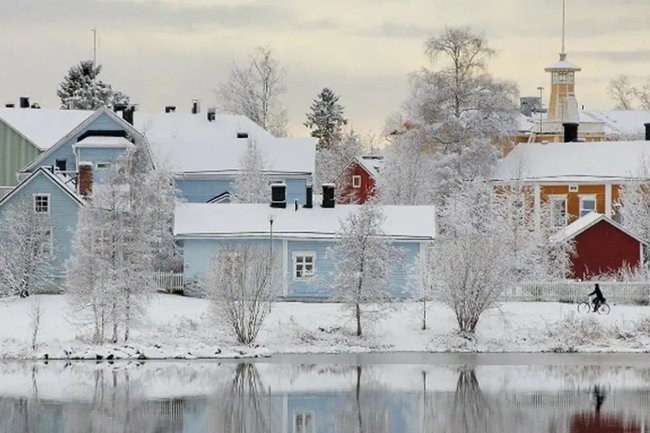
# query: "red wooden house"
x,y
359,181
602,246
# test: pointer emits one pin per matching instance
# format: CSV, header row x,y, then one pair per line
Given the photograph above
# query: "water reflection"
x,y
283,398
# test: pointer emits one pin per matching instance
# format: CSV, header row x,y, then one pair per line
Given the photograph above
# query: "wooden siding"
x,y
573,198
16,152
202,190
604,248
64,212
360,195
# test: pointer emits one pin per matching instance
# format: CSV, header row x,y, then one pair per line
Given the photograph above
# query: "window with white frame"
x,y
356,181
558,204
303,265
587,204
303,422
42,203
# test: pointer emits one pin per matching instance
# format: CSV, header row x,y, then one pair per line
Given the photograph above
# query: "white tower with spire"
x,y
563,106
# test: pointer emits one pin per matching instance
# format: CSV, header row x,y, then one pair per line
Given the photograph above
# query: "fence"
x,y
574,291
170,282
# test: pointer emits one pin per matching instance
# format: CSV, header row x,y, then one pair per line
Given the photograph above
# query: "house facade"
x,y
573,179
297,237
360,179
602,246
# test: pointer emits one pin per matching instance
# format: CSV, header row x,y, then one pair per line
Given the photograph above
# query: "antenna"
x,y
563,22
94,30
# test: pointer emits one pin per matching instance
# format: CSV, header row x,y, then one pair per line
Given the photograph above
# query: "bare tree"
x,y
643,94
254,90
363,262
251,183
35,315
26,248
242,282
622,92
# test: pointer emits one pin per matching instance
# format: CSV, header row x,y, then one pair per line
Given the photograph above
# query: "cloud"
x,y
626,56
398,30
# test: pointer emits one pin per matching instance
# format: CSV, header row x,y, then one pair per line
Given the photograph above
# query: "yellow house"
x,y
574,178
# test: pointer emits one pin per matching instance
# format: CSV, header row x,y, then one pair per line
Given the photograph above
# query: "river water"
x,y
414,393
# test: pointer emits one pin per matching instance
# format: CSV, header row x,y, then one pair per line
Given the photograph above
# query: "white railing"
x,y
575,291
170,282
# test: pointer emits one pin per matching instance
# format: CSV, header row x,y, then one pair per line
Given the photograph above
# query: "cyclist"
x,y
599,299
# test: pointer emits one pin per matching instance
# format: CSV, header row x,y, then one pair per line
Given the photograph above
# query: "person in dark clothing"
x,y
599,299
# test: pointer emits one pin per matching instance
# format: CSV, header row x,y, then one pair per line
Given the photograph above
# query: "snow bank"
x,y
181,328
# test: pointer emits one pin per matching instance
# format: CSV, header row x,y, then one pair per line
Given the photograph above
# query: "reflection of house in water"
x,y
589,423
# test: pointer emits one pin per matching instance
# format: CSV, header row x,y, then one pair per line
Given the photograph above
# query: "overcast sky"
x,y
166,52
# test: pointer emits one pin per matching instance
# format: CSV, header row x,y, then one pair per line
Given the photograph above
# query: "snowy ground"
x,y
179,327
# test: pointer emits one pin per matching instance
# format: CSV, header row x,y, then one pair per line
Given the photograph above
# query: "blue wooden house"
x,y
297,236
205,153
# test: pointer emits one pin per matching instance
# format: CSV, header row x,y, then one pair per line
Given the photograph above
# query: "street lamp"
x,y
271,218
541,109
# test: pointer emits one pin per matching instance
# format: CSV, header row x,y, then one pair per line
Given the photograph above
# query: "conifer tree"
x,y
326,119
82,90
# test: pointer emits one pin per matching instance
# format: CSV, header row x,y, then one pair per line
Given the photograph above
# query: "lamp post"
x,y
541,109
271,235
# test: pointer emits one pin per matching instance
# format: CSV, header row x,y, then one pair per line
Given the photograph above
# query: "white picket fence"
x,y
574,291
170,282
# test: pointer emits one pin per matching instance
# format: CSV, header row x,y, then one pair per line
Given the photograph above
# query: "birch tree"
x,y
254,91
332,162
363,263
251,183
242,282
26,249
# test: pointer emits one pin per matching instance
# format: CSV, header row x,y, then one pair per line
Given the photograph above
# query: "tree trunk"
x,y
358,398
358,317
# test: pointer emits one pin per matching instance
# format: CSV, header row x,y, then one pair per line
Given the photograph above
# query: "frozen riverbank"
x,y
181,328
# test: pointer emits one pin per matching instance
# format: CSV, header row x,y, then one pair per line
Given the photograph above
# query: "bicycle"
x,y
586,307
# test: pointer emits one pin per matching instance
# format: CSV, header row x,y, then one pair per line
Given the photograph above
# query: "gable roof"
x,y
584,223
189,143
225,196
627,123
78,129
43,127
202,220
573,162
58,180
372,164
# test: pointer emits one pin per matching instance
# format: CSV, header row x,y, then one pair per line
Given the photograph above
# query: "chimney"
x,y
295,205
36,106
196,108
85,180
212,114
647,131
279,195
328,195
10,105
24,102
170,109
127,114
309,199
570,132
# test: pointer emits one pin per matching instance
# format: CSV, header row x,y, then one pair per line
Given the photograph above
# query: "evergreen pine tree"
x,y
82,90
326,119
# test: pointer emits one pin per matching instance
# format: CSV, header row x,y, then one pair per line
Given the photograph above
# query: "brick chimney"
x,y
85,180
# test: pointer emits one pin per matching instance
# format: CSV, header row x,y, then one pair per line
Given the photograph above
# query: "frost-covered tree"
x,y
123,237
471,264
332,163
325,119
363,262
251,183
81,89
254,90
26,249
622,92
242,282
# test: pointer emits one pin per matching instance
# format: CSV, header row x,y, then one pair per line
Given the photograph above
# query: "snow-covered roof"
x,y
573,162
60,179
189,143
203,220
563,65
371,163
585,222
43,127
104,142
620,122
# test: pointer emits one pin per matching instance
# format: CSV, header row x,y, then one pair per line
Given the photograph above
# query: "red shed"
x,y
601,245
360,179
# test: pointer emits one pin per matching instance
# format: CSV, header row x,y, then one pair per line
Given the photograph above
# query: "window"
x,y
558,211
102,165
42,203
573,188
303,422
356,181
587,204
242,135
303,265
